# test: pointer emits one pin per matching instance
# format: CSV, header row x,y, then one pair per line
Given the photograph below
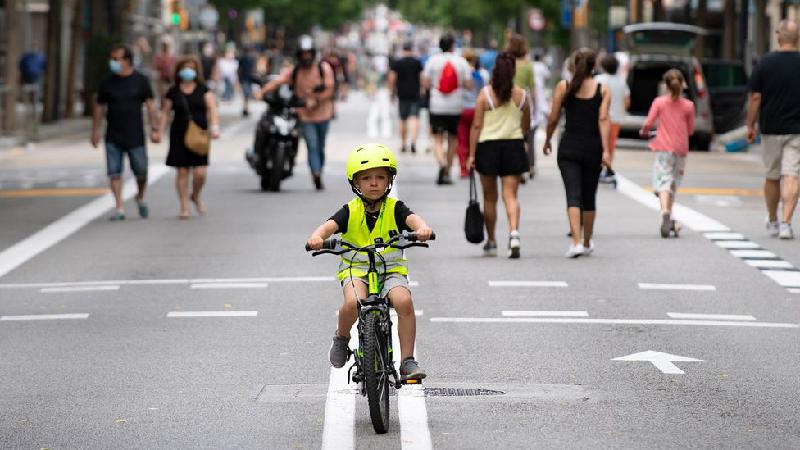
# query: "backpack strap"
x,y
488,94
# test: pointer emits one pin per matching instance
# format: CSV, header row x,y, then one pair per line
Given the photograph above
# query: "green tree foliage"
x,y
298,17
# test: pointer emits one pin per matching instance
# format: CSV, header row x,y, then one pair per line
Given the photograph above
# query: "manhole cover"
x,y
459,392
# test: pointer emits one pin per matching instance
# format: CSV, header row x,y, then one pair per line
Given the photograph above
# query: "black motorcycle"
x,y
277,139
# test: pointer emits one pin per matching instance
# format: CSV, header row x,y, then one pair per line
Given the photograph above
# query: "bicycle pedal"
x,y
412,381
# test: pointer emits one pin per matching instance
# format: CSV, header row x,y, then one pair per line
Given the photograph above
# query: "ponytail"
x,y
583,62
673,78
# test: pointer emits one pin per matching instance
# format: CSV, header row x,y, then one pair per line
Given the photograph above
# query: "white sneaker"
x,y
513,244
587,251
785,231
574,251
773,227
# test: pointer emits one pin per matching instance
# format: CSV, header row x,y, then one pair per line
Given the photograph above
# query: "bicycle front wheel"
x,y
376,376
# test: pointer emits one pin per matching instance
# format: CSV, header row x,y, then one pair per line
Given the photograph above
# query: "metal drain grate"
x,y
459,392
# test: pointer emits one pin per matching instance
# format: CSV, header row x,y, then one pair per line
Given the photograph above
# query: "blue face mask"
x,y
114,66
187,74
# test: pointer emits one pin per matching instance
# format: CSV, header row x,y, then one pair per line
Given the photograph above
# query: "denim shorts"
x,y
408,108
137,157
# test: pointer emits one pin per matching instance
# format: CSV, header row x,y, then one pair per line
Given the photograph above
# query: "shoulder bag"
x,y
196,139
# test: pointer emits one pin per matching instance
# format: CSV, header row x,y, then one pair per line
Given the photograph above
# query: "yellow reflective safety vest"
x,y
357,264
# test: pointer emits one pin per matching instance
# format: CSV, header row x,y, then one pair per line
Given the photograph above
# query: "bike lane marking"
x,y
340,406
201,286
584,321
512,283
544,313
411,409
184,314
674,315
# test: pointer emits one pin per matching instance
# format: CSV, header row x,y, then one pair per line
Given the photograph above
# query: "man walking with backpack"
x,y
446,75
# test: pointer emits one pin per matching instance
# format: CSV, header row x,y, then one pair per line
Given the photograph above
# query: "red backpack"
x,y
448,81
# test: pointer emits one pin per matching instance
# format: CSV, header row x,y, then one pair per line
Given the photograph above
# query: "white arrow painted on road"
x,y
662,361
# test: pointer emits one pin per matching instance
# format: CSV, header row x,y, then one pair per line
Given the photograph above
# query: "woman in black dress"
x,y
188,96
583,149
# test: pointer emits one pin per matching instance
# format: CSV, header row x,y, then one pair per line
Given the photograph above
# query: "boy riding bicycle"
x,y
372,215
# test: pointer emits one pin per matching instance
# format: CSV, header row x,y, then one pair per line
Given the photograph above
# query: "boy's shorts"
x,y
668,171
392,281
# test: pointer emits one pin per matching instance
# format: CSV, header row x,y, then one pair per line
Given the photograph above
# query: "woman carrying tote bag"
x,y
194,109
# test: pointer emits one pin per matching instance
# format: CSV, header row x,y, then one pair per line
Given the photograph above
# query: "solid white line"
x,y
545,314
708,323
79,289
769,263
753,254
527,284
677,287
52,234
411,410
784,278
212,314
723,236
228,286
167,281
263,280
687,216
340,406
709,316
737,244
47,317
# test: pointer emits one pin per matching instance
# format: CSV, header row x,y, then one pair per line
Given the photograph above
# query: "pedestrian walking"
x,y
164,66
313,82
620,103
446,75
404,85
120,98
379,116
245,73
208,62
497,148
480,78
775,102
189,100
583,148
675,116
229,73
523,78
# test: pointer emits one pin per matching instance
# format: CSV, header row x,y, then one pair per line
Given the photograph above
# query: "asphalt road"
x,y
96,350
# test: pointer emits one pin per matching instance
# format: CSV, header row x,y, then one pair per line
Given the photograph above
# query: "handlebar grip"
x,y
412,236
327,244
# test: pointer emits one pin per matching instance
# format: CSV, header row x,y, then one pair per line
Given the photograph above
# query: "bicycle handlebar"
x,y
337,246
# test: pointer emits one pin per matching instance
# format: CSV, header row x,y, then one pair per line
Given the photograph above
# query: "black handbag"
x,y
473,222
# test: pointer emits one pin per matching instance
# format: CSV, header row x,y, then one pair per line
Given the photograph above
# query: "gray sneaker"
x,y
340,352
785,231
410,370
490,248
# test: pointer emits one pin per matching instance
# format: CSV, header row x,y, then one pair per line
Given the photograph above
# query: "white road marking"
x,y
263,280
723,236
753,254
737,244
212,314
340,406
411,410
545,314
167,282
52,234
565,320
662,361
794,291
228,286
677,287
784,278
114,287
769,263
393,313
527,284
674,315
413,284
47,317
687,216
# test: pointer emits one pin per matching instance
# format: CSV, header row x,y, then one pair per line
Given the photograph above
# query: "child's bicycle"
x,y
374,363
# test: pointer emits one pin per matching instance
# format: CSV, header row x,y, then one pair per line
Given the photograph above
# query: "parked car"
x,y
728,90
655,48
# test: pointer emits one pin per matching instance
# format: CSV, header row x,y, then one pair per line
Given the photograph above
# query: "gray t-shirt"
x,y
617,89
452,103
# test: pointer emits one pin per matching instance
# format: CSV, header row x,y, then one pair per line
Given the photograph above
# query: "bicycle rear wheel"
x,y
376,376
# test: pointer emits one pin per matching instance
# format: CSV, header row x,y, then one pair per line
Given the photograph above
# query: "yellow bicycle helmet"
x,y
370,156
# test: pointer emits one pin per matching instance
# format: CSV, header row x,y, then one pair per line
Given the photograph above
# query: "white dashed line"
x,y
737,244
47,317
338,431
677,287
212,314
709,316
753,254
560,284
545,314
672,322
79,289
229,286
769,263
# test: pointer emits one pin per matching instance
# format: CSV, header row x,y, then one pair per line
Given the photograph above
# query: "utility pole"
x,y
10,70
52,82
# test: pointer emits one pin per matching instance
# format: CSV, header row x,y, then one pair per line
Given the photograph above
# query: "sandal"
x,y
198,205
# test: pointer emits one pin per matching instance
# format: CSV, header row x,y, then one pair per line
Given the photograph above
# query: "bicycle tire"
x,y
376,377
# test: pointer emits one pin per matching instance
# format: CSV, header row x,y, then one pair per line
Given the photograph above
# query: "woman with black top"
x,y
189,96
583,149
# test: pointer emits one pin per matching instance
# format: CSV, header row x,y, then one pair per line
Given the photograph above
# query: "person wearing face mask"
x,y
312,81
188,98
120,98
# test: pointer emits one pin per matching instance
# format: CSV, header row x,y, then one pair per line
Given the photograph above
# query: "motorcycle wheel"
x,y
265,184
276,171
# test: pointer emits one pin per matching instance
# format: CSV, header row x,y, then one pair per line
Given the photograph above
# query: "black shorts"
x,y
501,157
444,123
408,108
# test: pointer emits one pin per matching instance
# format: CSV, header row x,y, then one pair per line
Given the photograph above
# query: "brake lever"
x,y
322,252
411,244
